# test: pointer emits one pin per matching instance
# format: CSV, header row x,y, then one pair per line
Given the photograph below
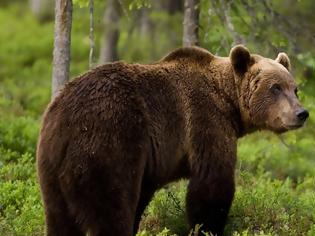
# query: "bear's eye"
x,y
296,92
276,89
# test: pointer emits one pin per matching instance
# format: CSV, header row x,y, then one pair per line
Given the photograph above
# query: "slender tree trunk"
x,y
191,23
145,22
62,42
111,32
226,8
147,29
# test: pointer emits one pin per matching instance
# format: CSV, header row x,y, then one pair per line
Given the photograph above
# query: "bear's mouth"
x,y
282,127
295,125
291,127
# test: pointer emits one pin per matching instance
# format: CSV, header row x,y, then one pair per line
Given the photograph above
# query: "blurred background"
x,y
275,174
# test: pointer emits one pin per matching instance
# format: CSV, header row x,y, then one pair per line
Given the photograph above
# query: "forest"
x,y
275,176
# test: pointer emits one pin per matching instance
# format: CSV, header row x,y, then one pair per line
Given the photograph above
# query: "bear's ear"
x,y
240,59
284,60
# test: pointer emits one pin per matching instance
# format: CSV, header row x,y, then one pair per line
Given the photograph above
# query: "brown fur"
x,y
121,131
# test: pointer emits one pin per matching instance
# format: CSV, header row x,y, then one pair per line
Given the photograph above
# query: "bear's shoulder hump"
x,y
194,53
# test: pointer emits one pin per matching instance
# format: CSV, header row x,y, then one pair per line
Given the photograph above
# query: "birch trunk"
x,y
191,22
62,42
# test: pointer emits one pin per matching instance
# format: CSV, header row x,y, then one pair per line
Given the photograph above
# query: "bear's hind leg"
x,y
145,197
58,219
116,218
105,200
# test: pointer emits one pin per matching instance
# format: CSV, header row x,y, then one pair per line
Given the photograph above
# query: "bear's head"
x,y
267,91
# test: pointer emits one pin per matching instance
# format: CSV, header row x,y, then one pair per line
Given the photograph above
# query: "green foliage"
x,y
25,62
275,174
271,206
262,206
131,4
137,4
167,210
20,205
288,156
81,3
21,211
164,232
18,134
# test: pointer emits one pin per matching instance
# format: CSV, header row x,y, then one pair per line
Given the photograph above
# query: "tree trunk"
x,y
226,8
145,23
62,42
42,9
111,32
191,23
147,29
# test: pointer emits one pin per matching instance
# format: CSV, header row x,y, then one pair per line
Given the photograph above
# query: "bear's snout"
x,y
302,114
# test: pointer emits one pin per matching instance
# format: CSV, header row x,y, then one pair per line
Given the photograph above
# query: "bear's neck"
x,y
223,75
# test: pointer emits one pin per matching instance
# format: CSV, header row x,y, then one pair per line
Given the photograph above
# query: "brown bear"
x,y
116,134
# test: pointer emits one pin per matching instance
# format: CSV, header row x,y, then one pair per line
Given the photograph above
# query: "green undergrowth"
x,y
262,206
21,211
275,174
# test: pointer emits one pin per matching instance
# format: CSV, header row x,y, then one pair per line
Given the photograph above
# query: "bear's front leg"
x,y
208,203
211,189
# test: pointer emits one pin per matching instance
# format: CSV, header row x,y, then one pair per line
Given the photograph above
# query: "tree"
x,y
191,23
223,11
111,32
62,42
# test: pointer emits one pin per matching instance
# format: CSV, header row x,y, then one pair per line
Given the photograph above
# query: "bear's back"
x,y
161,90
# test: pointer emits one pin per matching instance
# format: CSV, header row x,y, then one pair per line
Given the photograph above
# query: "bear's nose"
x,y
302,114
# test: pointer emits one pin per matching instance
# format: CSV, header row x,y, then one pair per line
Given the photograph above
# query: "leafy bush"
x,y
272,206
275,174
262,206
21,211
167,210
18,134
